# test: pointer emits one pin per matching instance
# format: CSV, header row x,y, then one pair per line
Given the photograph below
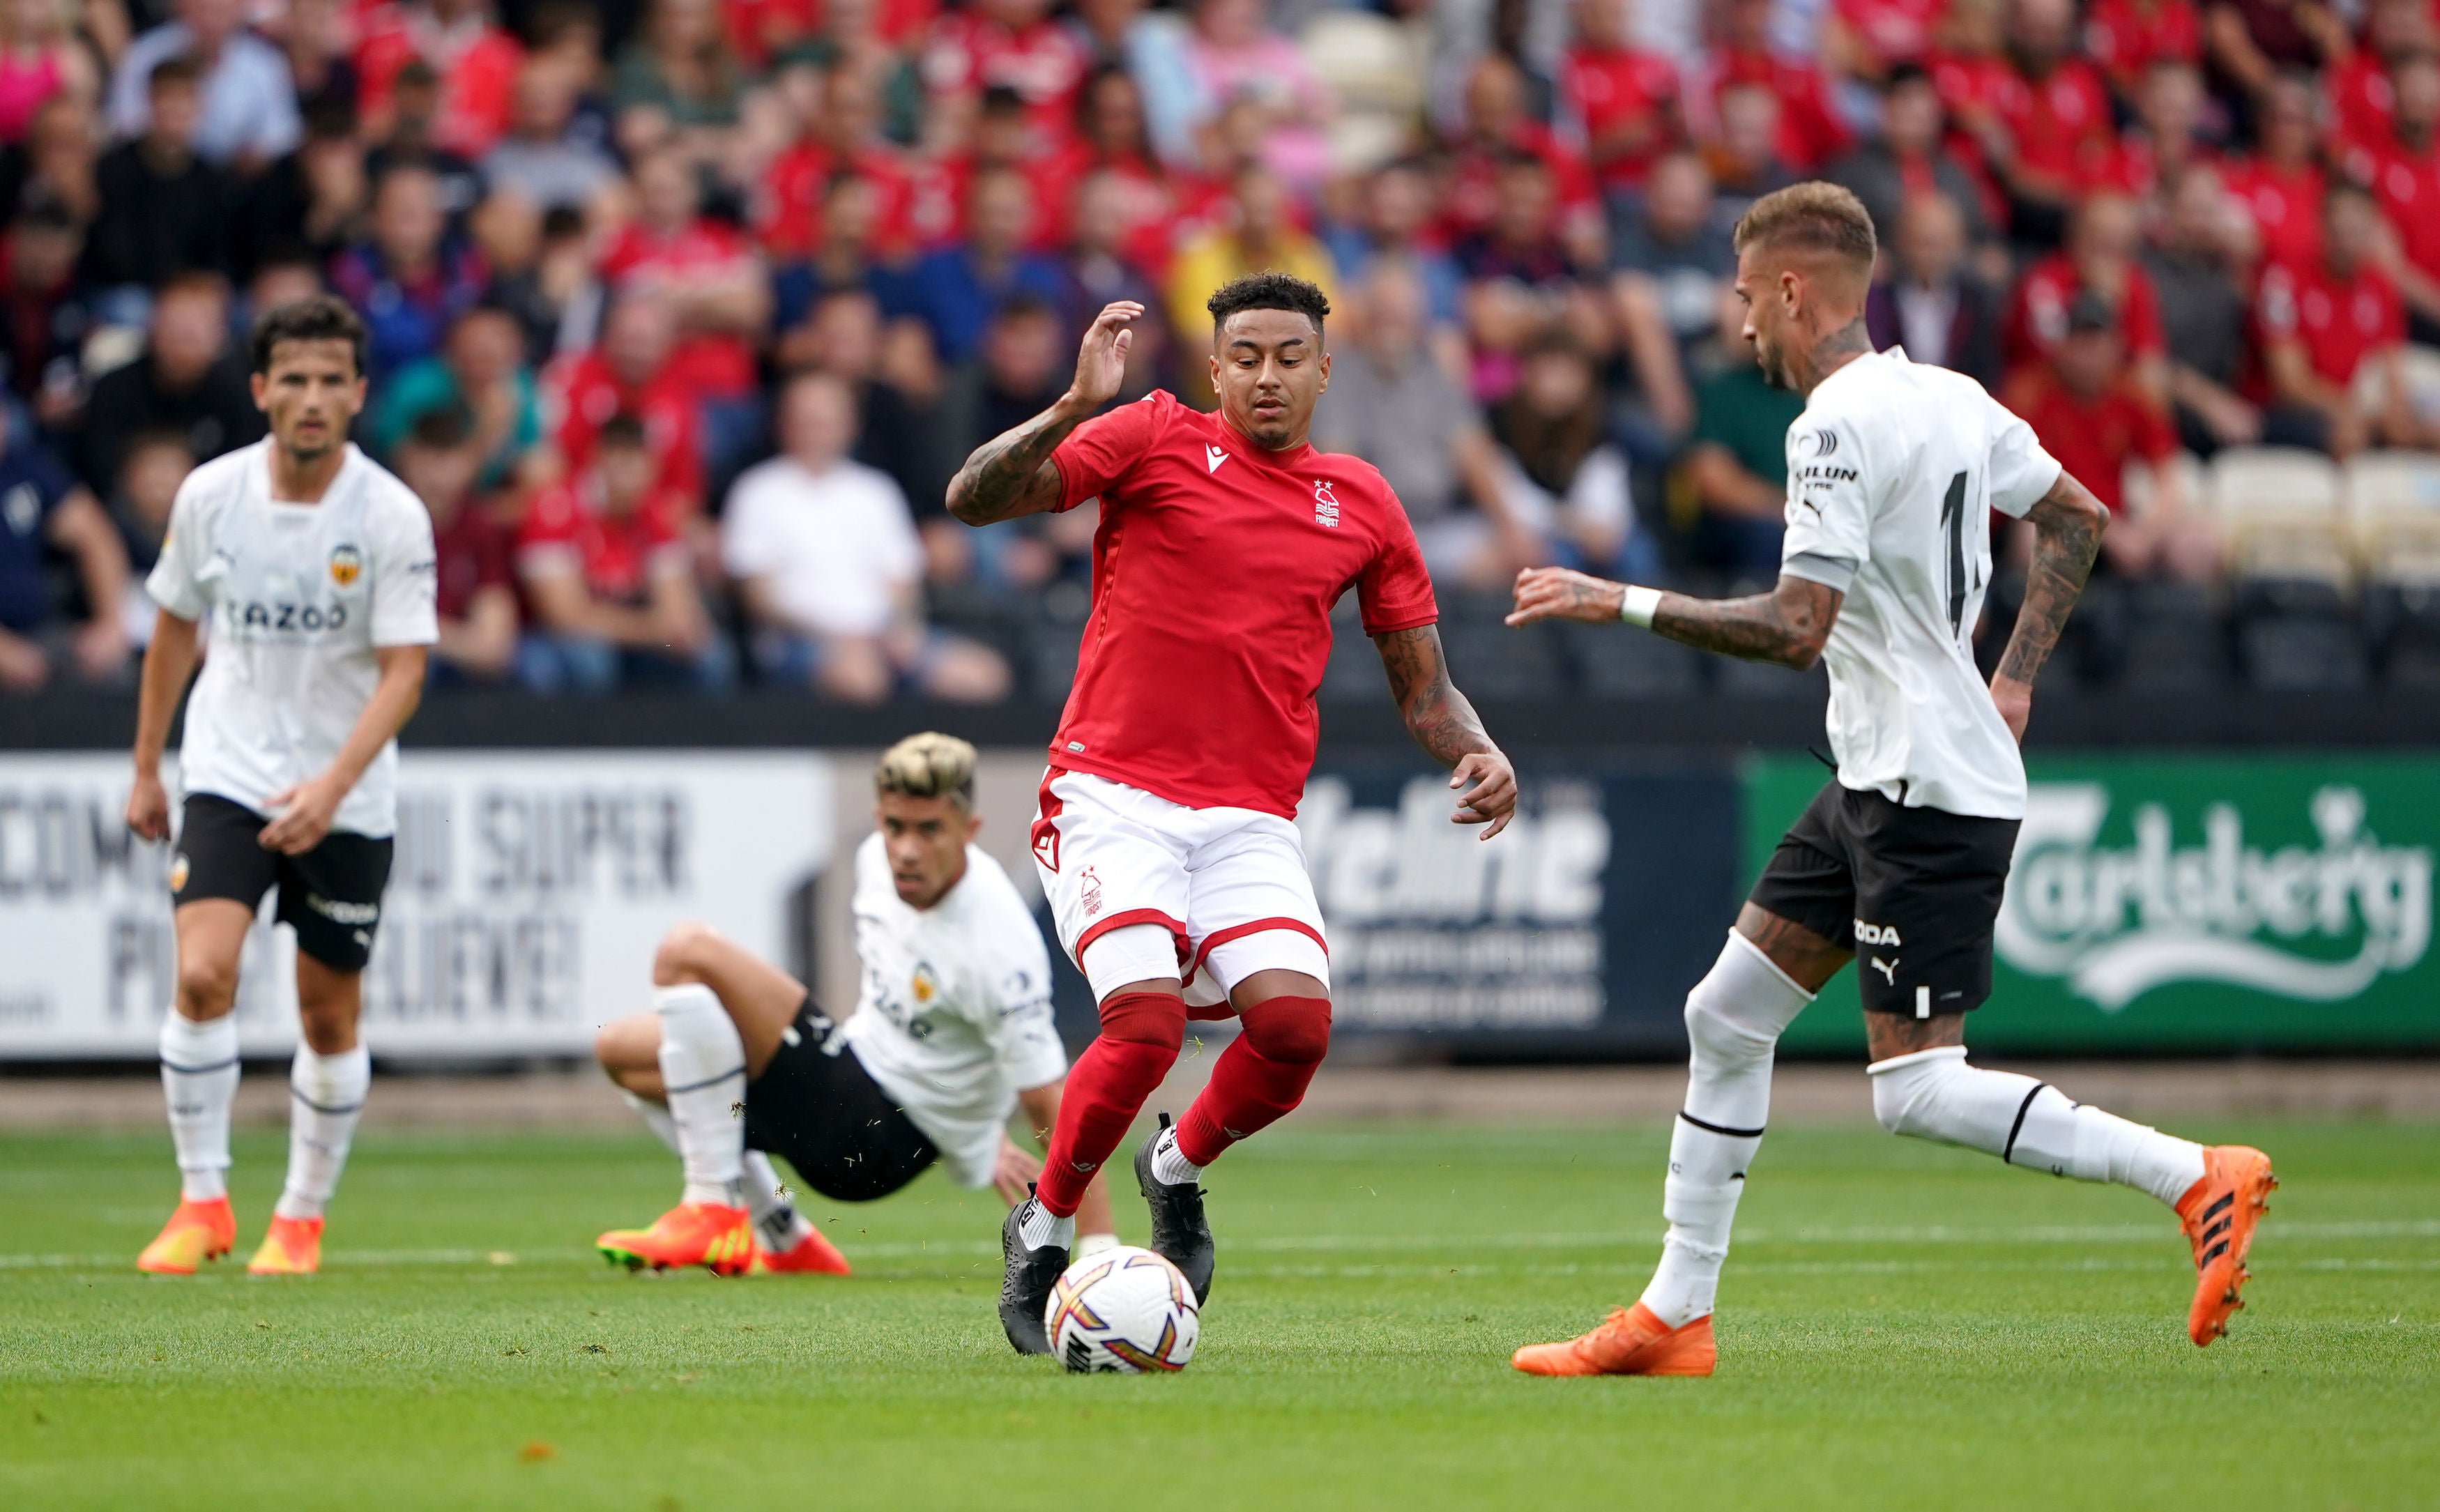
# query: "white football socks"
x,y
776,1218
703,1068
655,1117
199,1070
1169,1166
326,1097
1038,1226
1733,1020
1933,1094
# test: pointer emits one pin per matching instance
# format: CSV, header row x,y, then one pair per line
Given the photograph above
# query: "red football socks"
x,y
1260,1076
1106,1087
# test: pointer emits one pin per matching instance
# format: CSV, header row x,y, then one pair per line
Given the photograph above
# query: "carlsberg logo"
x,y
2319,924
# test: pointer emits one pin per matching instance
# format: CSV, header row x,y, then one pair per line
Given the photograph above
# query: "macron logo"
x,y
1213,456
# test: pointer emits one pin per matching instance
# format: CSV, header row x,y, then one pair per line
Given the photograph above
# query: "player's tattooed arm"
x,y
1011,474
2068,524
1443,722
1786,625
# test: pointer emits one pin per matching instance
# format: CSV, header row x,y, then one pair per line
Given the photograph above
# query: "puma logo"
x,y
1889,969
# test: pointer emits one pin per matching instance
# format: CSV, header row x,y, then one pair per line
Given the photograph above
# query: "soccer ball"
x,y
1122,1309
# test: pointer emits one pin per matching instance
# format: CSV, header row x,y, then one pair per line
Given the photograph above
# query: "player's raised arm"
x,y
1444,723
1788,625
1011,474
2068,524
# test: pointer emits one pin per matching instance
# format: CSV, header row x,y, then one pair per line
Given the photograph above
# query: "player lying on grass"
x,y
951,1033
1894,469
1166,839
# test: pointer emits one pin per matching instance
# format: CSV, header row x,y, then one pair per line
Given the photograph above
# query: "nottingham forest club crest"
x,y
1325,504
347,565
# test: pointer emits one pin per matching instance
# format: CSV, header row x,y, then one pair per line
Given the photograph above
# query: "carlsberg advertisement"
x,y
2168,903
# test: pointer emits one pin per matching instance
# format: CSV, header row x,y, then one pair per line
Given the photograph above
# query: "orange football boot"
x,y
711,1235
292,1247
2219,1212
811,1255
196,1232
1630,1342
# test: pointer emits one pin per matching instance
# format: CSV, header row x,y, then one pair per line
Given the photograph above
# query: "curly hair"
x,y
1269,291
316,318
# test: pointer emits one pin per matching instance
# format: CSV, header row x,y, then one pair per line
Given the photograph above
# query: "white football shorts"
x,y
1228,886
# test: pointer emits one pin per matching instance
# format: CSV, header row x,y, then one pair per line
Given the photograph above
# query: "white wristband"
x,y
1637,605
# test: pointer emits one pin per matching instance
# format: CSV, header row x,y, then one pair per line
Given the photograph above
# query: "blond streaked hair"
x,y
930,765
1814,217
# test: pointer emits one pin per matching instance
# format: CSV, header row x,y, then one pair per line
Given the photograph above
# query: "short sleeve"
x,y
406,579
1829,494
173,584
1395,589
1105,449
899,551
748,546
2021,472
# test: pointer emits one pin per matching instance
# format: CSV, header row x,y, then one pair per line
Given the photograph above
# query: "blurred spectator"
x,y
1623,100
1742,157
557,293
953,291
1912,158
1100,271
1394,224
480,373
1151,46
474,584
678,82
475,61
2087,411
1672,264
1870,40
540,158
904,432
844,259
1930,302
314,36
2194,263
44,509
1155,207
56,161
2251,41
1737,461
1012,44
1499,127
2100,255
249,101
409,142
609,579
1391,403
1523,277
411,278
43,322
164,210
630,374
842,144
2281,185
186,382
311,202
2404,172
1257,232
39,58
1565,485
140,500
1233,55
2128,38
2364,88
1810,132
2164,143
2333,331
828,565
2049,128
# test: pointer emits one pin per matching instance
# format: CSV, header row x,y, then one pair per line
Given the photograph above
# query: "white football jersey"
x,y
953,1019
299,595
1893,470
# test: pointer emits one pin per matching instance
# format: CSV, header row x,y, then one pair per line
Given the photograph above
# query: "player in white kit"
x,y
315,566
1893,470
952,1034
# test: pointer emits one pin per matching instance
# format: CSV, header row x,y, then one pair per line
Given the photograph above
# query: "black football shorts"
x,y
817,1107
1914,891
331,895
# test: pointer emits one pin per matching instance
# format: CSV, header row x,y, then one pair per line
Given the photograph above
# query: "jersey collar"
x,y
1240,444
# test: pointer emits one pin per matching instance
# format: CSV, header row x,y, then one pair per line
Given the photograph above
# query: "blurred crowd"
x,y
684,311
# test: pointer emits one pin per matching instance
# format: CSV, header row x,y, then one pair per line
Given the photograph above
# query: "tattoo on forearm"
x,y
1438,717
1007,476
1786,626
2066,539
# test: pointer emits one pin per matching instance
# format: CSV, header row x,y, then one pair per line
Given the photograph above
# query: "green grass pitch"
x,y
1902,1326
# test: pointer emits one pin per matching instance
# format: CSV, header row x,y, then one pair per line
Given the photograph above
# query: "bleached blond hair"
x,y
1816,216
930,765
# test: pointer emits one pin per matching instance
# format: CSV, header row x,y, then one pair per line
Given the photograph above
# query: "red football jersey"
x,y
1215,569
2038,318
2407,186
2285,208
1603,86
2093,437
566,527
712,365
579,395
2126,37
2341,321
2060,123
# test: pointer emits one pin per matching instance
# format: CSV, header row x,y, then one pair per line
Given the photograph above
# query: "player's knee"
x,y
205,988
1157,1019
1292,1029
1908,1092
1720,1040
680,956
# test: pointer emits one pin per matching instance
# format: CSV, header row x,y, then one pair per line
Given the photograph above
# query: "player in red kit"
x,y
1166,841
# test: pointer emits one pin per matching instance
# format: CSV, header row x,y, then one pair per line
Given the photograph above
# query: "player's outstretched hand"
x,y
1015,1172
1492,799
1101,362
304,814
1557,593
148,807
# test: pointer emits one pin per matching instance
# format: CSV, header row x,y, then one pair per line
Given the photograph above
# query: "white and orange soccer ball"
x,y
1122,1309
